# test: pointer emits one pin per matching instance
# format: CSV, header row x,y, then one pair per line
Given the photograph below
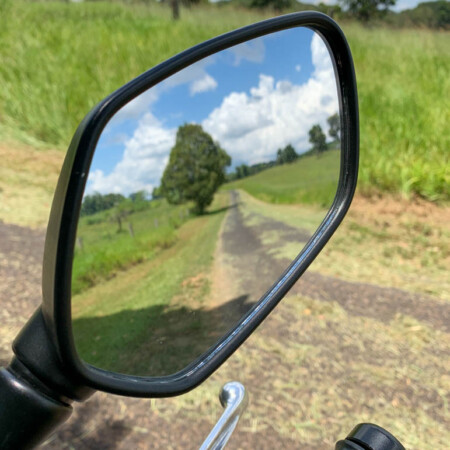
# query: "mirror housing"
x,y
62,228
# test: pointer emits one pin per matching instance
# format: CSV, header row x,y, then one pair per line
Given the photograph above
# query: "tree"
x,y
335,126
365,10
278,5
318,139
242,171
156,193
120,211
98,202
138,197
286,155
196,168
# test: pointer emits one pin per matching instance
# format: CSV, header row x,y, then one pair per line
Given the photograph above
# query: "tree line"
x,y
97,202
434,14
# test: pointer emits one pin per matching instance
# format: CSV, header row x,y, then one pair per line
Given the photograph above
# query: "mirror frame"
x,y
62,227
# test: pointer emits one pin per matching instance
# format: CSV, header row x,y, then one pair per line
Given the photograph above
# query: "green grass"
x,y
404,85
58,59
311,180
102,249
121,323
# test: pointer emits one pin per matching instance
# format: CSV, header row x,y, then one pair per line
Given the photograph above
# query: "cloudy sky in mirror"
x,y
253,99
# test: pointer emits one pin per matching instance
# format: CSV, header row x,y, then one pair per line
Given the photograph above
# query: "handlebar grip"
x,y
27,416
367,436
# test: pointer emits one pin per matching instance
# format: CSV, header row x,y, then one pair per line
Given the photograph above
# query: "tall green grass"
x,y
59,59
404,89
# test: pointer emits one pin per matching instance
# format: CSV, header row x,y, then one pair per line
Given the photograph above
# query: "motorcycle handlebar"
x,y
367,436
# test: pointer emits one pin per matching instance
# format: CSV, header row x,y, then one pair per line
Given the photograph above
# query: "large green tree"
x,y
196,168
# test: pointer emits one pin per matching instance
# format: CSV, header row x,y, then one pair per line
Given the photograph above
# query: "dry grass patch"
x,y
314,371
392,242
28,179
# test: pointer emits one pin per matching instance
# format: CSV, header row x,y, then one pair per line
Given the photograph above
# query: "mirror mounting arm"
x,y
35,351
27,416
35,389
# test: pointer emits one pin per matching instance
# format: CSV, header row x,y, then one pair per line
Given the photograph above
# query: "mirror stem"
x,y
234,399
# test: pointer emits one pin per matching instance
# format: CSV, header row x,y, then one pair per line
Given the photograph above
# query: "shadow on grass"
x,y
155,341
220,210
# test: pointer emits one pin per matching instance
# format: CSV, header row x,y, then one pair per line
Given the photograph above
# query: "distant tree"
x,y
139,196
330,9
286,155
156,193
242,171
430,14
97,202
318,139
366,10
120,211
196,168
175,6
335,126
278,5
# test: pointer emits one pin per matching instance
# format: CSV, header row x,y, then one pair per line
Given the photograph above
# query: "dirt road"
x,y
276,392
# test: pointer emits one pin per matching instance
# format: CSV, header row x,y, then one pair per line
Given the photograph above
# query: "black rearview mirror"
x,y
172,247
181,249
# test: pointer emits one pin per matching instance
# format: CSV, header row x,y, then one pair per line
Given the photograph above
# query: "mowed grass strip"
x,y
116,319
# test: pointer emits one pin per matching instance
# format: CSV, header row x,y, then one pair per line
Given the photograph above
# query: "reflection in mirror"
x,y
201,192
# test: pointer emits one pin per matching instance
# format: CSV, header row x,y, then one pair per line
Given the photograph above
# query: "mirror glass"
x,y
201,192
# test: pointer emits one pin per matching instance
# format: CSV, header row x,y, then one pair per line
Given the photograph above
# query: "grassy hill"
x,y
310,180
58,59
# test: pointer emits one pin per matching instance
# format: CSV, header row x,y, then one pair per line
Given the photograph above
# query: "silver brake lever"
x,y
234,399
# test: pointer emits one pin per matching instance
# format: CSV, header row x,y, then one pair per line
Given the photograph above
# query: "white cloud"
x,y
298,68
207,83
253,51
136,107
144,159
251,127
195,76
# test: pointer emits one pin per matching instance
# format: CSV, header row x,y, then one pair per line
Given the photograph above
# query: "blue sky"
x,y
253,99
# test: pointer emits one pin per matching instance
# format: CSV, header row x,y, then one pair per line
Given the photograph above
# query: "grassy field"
x,y
311,180
403,85
58,59
161,299
103,248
